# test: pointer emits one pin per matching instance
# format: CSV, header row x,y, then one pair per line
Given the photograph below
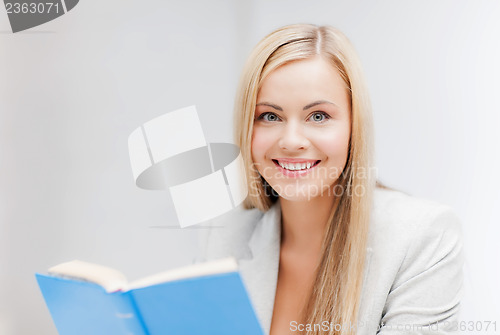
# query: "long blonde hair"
x,y
336,291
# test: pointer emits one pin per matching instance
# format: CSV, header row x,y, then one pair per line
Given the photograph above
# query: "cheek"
x,y
334,144
261,142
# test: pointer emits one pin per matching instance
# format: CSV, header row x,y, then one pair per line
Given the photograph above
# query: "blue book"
x,y
206,298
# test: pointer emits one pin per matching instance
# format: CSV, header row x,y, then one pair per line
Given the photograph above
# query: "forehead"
x,y
303,81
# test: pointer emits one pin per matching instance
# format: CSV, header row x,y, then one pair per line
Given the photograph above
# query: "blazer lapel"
x,y
260,272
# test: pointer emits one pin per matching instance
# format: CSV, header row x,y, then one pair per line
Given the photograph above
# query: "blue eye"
x,y
268,116
319,116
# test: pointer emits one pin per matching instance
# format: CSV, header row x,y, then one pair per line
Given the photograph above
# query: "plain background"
x,y
72,90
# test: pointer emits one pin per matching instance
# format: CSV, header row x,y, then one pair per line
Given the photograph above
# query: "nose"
x,y
293,137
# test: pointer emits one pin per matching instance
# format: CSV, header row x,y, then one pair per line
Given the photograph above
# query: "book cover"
x,y
215,303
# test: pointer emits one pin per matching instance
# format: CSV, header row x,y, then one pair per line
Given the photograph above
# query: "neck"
x,y
304,223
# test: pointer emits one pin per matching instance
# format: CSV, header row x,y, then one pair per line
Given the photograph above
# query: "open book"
x,y
205,298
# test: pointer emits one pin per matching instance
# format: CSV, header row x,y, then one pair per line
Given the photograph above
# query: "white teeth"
x,y
295,167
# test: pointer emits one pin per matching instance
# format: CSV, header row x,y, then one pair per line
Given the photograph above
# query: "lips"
x,y
296,164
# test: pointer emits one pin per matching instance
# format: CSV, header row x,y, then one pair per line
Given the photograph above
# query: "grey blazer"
x,y
413,268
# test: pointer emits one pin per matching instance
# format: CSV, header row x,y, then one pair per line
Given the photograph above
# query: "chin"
x,y
297,193
296,198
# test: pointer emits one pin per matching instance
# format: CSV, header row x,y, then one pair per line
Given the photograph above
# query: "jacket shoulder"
x,y
406,229
397,213
407,232
417,259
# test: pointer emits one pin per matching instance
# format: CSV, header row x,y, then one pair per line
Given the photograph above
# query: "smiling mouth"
x,y
296,166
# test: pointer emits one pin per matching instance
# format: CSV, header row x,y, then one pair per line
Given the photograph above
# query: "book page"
x,y
110,279
224,265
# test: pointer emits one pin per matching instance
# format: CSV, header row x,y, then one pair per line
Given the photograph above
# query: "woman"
x,y
321,248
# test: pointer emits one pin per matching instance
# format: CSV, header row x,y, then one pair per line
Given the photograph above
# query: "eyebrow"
x,y
312,104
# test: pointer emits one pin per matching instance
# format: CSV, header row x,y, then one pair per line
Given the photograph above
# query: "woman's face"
x,y
301,129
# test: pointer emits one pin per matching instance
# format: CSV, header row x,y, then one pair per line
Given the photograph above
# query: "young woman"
x,y
323,249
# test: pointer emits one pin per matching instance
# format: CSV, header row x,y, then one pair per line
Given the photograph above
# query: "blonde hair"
x,y
336,290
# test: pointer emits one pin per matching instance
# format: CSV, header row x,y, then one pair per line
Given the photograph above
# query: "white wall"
x,y
73,89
